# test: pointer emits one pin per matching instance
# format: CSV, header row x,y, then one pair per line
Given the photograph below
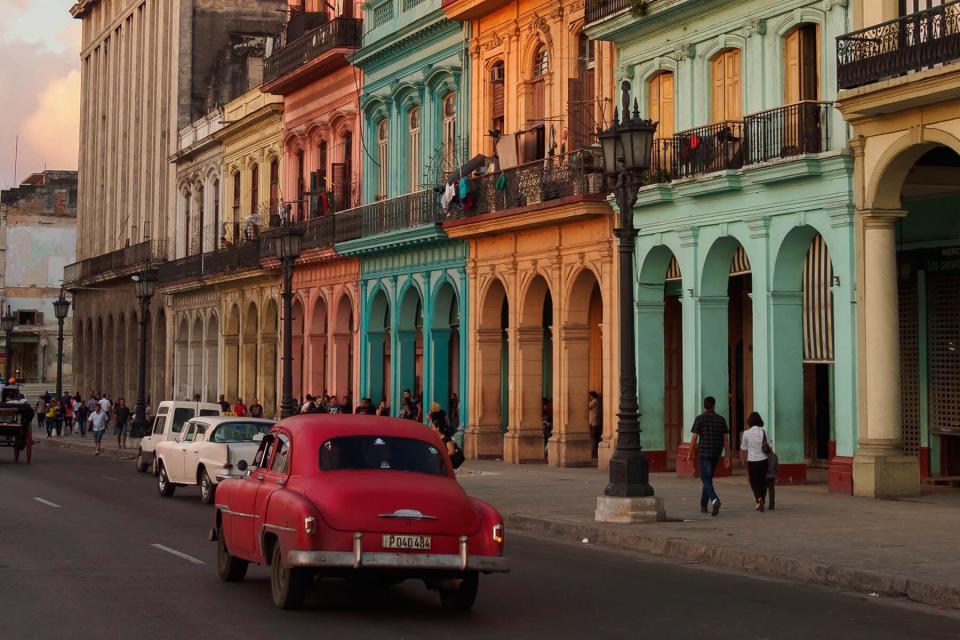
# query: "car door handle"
x,y
260,477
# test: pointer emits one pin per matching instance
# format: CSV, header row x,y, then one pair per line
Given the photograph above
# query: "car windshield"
x,y
241,432
381,453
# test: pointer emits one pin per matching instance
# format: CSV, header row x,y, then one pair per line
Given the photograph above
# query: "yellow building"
x,y
899,75
540,269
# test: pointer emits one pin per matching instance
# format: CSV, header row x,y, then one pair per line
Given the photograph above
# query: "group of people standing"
x,y
71,413
255,410
711,436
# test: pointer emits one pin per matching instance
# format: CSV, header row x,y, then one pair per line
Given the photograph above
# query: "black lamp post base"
x,y
629,476
138,429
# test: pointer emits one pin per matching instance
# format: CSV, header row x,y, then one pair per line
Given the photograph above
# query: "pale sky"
x,y
39,86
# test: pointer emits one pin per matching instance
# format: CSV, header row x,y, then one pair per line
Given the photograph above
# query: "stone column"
x,y
374,369
340,363
524,441
880,468
570,444
484,437
439,390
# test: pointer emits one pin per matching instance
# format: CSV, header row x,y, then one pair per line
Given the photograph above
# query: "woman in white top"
x,y
752,446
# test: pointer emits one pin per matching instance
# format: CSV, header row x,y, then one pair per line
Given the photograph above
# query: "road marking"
x,y
48,503
111,479
179,554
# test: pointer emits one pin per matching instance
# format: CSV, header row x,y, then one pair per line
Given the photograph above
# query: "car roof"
x,y
216,421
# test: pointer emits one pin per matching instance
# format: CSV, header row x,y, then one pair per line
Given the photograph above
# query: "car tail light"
x,y
498,533
310,525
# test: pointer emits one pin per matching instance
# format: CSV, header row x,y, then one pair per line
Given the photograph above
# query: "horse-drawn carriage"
x,y
15,421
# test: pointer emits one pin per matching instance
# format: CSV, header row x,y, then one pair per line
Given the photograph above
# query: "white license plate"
x,y
393,541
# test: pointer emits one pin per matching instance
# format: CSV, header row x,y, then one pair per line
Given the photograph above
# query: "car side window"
x,y
180,416
158,424
263,453
188,432
281,459
201,432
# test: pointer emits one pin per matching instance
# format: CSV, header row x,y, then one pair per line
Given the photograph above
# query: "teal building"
x,y
412,277
745,258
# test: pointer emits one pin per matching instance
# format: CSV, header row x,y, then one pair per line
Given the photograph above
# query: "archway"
x,y
212,344
299,369
249,368
120,360
660,357
343,350
574,442
379,365
109,348
524,441
98,357
133,354
196,358
318,348
268,356
231,354
410,343
181,360
79,357
445,349
491,389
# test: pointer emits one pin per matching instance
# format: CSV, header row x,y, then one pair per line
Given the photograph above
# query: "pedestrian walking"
x,y
256,409
98,424
66,403
456,454
41,411
753,451
121,419
595,422
438,419
82,414
711,436
224,405
53,409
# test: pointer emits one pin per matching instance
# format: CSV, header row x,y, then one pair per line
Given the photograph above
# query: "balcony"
x,y
125,261
409,211
897,47
238,257
698,151
597,10
306,54
784,132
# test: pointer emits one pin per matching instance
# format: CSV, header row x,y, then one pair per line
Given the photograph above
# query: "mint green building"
x,y
745,258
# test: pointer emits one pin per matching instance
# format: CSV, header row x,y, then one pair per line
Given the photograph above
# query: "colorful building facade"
x,y
745,259
540,233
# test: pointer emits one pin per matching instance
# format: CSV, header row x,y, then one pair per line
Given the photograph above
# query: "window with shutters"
x,y
274,186
301,185
581,95
496,98
236,196
254,188
727,89
188,197
216,214
801,77
196,239
660,103
346,185
414,123
383,139
449,131
322,166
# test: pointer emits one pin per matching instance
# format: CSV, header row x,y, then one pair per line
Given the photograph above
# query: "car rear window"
x,y
180,416
362,453
240,431
209,412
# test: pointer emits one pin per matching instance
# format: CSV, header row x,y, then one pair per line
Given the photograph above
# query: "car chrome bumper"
x,y
385,560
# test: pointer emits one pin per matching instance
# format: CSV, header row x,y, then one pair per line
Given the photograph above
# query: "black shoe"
x,y
772,508
761,507
703,510
716,508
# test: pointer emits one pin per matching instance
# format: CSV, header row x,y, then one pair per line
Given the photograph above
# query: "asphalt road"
x,y
77,560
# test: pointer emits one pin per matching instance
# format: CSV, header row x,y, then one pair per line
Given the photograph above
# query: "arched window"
x,y
274,185
727,89
414,149
196,240
215,242
534,145
254,189
541,62
236,196
660,103
450,130
801,80
187,197
383,139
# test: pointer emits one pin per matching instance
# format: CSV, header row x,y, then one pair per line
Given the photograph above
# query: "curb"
x,y
845,578
107,452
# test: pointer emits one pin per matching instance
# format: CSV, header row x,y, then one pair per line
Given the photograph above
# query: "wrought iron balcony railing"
x,y
238,257
130,259
597,10
708,149
791,130
408,211
571,175
894,48
339,32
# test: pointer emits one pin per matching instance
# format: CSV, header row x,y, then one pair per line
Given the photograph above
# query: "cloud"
x,y
52,131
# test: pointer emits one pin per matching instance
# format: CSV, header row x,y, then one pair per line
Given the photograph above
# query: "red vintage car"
x,y
355,496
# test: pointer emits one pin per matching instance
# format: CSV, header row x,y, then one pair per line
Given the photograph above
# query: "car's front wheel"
x,y
288,585
142,465
164,486
207,488
230,568
462,596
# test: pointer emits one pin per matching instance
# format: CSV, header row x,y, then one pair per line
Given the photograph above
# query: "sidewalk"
x,y
109,447
889,547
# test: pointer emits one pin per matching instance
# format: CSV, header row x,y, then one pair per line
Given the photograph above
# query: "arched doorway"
x,y
109,348
524,442
298,350
122,390
231,354
133,351
196,359
660,357
379,354
212,343
80,357
343,349
410,343
98,357
573,442
249,366
445,347
181,360
491,389
268,358
318,348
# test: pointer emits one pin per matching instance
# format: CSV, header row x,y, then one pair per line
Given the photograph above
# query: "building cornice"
x,y
406,38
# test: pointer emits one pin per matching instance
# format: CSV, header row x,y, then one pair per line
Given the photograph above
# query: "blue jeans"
x,y
708,466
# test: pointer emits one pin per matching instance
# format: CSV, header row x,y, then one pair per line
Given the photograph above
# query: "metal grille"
x,y
944,353
910,365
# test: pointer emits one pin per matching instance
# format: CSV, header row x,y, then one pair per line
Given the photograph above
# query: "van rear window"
x,y
209,412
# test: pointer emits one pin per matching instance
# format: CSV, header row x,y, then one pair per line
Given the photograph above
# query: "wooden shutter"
x,y
809,76
792,68
575,124
661,103
732,80
340,186
497,106
719,84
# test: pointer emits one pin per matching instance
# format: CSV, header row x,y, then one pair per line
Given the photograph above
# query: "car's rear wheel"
x,y
230,568
164,486
142,465
461,597
207,488
288,585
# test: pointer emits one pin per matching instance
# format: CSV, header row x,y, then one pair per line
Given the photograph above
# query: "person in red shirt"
x,y
239,409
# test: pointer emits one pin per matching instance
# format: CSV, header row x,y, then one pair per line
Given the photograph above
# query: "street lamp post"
x,y
626,147
144,285
61,307
8,320
287,244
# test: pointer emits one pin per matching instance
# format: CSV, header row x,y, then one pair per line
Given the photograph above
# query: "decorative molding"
x,y
755,26
684,51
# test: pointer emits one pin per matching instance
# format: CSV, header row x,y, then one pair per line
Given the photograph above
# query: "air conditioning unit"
x,y
496,74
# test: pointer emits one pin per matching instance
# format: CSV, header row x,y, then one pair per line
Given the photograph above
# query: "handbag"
x,y
765,447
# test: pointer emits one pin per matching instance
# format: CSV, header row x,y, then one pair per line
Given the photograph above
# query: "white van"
x,y
167,423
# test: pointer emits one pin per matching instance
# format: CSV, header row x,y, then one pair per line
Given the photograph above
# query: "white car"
x,y
207,449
